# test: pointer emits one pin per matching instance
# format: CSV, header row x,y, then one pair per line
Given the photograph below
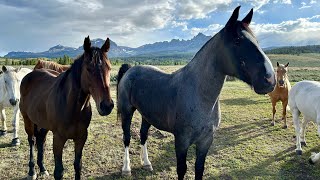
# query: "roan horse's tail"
x,y
123,69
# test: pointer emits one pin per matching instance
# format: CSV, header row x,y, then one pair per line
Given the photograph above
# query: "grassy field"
x,y
245,145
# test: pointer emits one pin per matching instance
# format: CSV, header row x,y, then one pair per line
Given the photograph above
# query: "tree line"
x,y
295,50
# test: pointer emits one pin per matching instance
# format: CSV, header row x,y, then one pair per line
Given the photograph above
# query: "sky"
x,y
37,25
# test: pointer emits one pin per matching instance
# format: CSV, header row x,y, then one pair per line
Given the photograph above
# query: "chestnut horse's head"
x,y
282,76
95,76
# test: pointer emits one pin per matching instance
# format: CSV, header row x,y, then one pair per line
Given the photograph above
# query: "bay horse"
x,y
61,104
186,102
280,93
304,97
10,79
51,65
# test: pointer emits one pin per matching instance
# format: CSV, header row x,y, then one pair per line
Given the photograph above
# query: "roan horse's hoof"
x,y
303,144
299,152
126,173
33,177
148,167
3,133
15,142
44,174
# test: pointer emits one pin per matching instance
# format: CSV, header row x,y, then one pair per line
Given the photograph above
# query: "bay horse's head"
x,y
11,83
243,57
95,76
282,76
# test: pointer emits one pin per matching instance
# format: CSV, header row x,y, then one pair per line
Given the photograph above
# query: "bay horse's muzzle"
x,y
106,107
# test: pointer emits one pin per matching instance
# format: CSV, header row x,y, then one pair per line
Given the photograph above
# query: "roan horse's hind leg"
x,y
144,152
126,123
58,144
4,126
78,147
40,141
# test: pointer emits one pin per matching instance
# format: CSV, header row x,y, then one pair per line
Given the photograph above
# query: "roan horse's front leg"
x,y
78,146
201,151
4,126
15,124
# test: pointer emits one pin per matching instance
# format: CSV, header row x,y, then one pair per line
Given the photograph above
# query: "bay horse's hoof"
x,y
299,152
285,127
3,133
148,167
303,144
44,174
33,177
126,173
15,142
310,161
272,123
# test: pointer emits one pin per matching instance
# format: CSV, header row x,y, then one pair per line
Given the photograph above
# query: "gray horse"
x,y
185,102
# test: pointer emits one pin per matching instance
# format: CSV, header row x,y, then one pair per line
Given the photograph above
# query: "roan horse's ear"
x,y
248,18
234,17
286,65
106,46
87,44
4,68
277,64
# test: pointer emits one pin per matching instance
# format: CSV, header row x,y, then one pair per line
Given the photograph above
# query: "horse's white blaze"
x,y
144,155
126,161
269,69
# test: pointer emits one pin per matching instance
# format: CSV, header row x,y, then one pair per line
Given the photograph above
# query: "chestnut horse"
x,y
51,65
280,93
61,104
186,102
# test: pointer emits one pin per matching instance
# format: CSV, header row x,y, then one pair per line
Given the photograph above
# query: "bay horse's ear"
x,y
286,65
247,19
277,64
234,17
4,68
106,46
87,44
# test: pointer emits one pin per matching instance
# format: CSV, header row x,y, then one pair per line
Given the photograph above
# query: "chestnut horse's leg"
x,y
143,138
182,144
274,103
284,113
58,144
202,148
4,126
78,146
41,139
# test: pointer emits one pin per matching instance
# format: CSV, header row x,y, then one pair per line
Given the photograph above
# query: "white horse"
x,y
10,80
304,97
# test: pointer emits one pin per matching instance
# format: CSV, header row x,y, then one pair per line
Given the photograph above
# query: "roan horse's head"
x,y
282,74
95,77
243,57
11,83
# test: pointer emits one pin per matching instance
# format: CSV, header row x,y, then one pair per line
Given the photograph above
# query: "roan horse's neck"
x,y
206,72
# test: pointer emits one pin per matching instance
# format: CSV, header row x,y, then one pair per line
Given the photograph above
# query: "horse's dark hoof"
x,y
148,167
303,144
272,123
310,161
3,133
126,173
285,127
299,152
15,142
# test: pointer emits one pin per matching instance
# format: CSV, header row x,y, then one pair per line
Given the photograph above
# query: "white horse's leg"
x,y
4,125
303,131
296,123
126,170
144,157
15,125
314,158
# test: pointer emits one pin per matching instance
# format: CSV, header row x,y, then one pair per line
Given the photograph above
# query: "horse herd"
x,y
185,103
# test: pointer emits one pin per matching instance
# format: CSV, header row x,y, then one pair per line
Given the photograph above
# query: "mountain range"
x,y
175,46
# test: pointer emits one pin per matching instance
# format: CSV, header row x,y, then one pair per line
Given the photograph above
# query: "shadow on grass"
x,y
5,145
241,101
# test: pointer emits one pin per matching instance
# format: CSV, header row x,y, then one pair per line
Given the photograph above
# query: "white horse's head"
x,y
12,83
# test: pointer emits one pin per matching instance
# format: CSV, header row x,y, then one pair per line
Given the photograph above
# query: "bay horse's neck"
x,y
206,72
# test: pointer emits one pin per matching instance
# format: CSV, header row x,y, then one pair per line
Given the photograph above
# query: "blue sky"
x,y
34,25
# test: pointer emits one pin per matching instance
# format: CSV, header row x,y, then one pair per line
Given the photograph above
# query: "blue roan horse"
x,y
185,102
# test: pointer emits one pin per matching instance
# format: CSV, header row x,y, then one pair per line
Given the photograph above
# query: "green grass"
x,y
245,146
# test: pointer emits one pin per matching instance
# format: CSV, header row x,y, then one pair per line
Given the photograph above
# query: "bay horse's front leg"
x,y
15,124
78,146
58,144
202,148
4,126
284,113
41,139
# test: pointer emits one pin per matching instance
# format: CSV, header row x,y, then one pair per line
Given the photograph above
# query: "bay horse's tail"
x,y
123,69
